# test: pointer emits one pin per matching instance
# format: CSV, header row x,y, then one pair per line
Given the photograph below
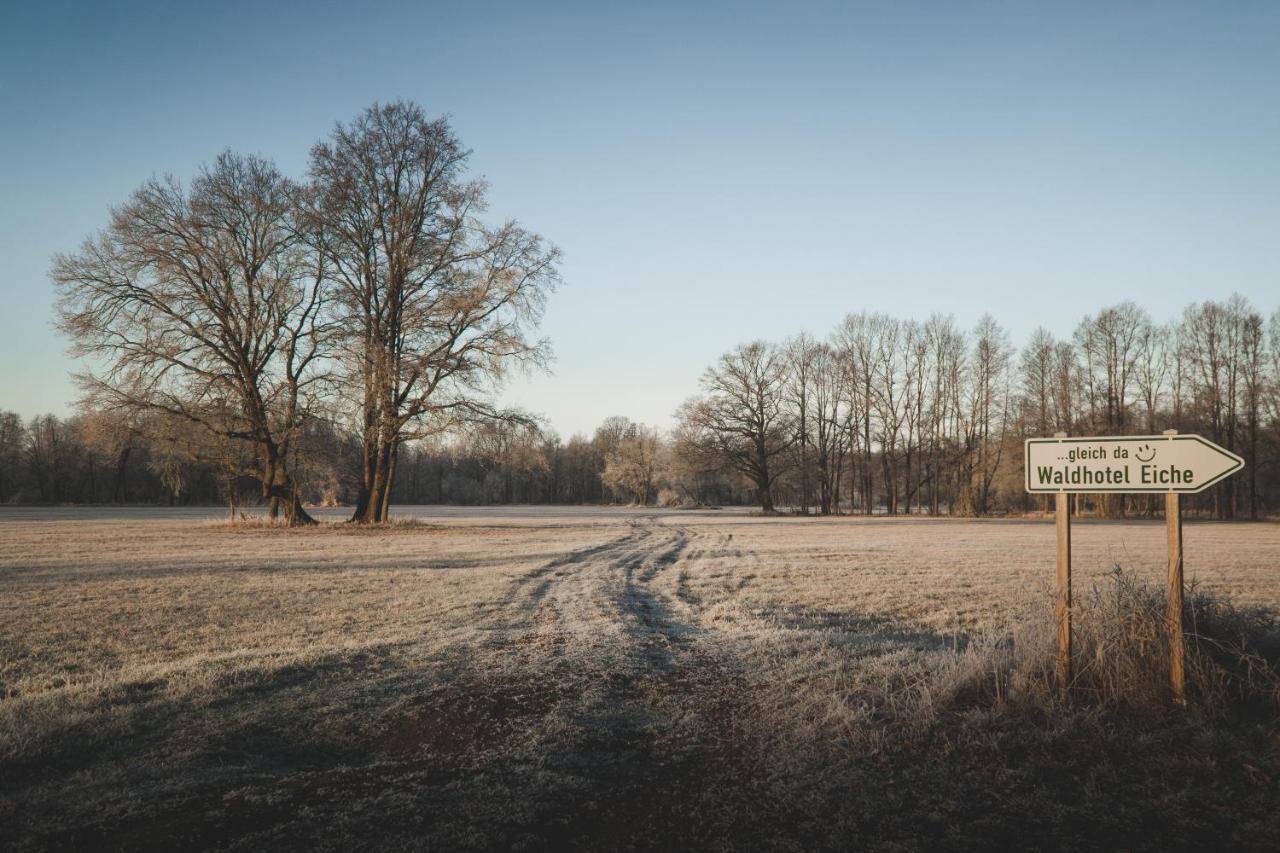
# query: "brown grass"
x,y
592,680
1122,658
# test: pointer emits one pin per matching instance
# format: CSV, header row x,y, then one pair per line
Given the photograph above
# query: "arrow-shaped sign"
x,y
1129,463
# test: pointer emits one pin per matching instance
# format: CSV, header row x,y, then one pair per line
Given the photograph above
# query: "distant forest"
x,y
343,337
883,416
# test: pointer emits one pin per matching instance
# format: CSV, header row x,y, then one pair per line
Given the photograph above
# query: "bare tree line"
x,y
902,416
883,416
97,457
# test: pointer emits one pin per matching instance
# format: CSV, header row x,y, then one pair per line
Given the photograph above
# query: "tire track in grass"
x,y
645,731
600,697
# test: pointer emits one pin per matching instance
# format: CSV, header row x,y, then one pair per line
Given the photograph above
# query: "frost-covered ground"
x,y
566,678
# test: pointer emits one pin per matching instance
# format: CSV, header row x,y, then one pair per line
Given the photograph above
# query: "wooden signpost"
x,y
1170,463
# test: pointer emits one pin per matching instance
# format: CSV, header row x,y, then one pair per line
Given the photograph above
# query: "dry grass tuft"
x,y
249,522
1121,655
263,522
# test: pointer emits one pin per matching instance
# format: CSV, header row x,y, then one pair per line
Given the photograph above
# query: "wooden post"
x,y
1063,501
1062,506
1177,653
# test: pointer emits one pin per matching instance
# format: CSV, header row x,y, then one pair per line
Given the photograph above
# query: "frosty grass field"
x,y
559,678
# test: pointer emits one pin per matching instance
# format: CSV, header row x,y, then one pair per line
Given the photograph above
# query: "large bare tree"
x,y
631,467
988,411
947,358
203,305
1037,366
858,338
437,305
830,377
1111,343
888,402
742,419
802,353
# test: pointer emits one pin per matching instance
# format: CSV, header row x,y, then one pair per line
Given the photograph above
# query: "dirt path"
x,y
608,687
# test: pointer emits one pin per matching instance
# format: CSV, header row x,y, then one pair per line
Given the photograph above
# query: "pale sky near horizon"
x,y
716,175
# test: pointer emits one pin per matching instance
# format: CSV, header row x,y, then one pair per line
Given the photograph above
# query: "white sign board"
x,y
1129,463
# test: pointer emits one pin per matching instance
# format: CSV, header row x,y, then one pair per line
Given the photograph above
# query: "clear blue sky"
x,y
713,175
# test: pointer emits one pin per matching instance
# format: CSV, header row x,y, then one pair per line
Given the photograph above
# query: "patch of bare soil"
x,y
461,721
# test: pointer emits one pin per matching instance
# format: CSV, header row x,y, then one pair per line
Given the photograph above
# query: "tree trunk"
x,y
907,491
374,506
279,489
804,458
118,491
269,480
391,478
367,470
766,499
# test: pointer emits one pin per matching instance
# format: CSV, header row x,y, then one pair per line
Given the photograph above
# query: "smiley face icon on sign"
x,y
1145,453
